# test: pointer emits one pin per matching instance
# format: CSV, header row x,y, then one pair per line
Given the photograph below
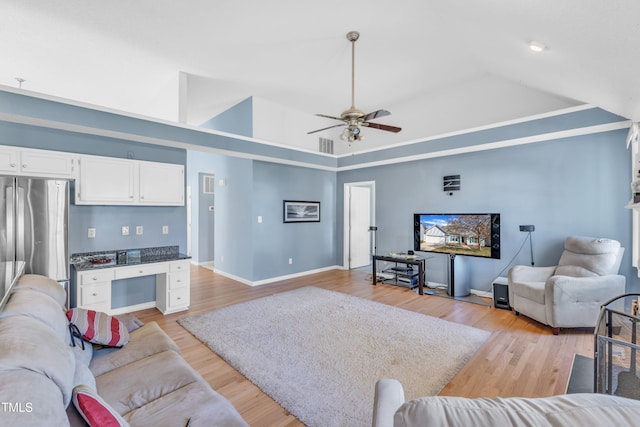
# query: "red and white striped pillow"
x,y
99,328
95,411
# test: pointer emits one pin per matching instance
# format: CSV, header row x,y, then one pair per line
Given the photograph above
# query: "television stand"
x,y
408,260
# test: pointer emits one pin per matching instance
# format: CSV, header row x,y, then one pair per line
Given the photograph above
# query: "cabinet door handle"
x,y
24,166
179,298
94,294
94,278
178,281
13,165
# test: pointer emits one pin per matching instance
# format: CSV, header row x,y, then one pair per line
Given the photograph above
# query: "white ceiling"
x,y
438,66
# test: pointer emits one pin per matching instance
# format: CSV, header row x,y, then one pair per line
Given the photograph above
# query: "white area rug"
x,y
319,353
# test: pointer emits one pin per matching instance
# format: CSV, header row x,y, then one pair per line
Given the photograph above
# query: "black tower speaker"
x,y
501,296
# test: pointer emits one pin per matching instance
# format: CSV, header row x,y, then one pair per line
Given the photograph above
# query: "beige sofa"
x,y
147,382
579,410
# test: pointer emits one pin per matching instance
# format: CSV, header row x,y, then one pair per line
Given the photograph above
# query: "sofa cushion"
x,y
99,328
95,411
163,389
26,343
143,342
40,306
45,285
581,410
35,400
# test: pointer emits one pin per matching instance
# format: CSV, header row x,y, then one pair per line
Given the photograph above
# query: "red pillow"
x,y
95,411
99,328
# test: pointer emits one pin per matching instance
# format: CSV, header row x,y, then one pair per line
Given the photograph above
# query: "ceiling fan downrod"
x,y
353,36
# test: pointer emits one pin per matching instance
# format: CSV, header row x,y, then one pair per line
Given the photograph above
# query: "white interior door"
x,y
359,222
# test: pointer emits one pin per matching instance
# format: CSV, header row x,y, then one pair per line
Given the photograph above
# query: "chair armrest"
x,y
389,396
524,273
568,289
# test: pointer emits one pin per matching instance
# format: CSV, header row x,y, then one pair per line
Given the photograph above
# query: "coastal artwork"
x,y
298,211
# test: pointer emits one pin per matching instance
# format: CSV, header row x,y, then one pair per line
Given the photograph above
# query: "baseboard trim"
x,y
275,279
131,308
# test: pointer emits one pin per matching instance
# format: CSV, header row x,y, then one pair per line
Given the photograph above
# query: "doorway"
x,y
206,219
359,215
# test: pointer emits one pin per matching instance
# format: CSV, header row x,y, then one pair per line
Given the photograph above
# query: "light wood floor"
x,y
521,358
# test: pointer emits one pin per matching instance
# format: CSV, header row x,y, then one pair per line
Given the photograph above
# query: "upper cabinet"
x,y
40,163
161,183
112,181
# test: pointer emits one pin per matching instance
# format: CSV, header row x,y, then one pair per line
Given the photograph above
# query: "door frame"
x,y
347,211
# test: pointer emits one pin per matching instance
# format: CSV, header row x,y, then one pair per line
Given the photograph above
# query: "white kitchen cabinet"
x,y
161,184
40,163
113,181
106,181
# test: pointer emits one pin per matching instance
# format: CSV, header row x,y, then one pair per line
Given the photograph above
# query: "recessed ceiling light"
x,y
537,46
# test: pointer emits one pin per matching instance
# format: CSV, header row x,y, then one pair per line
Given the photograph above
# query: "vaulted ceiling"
x,y
438,66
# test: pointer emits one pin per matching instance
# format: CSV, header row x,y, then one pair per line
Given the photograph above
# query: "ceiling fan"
x,y
354,118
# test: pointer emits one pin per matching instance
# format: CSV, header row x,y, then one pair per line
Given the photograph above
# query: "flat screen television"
x,y
460,234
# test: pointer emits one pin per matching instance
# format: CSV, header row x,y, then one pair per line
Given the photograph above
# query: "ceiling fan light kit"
x,y
354,118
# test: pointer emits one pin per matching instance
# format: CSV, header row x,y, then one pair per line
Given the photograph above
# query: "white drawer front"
x,y
97,276
179,297
180,266
179,280
140,270
92,294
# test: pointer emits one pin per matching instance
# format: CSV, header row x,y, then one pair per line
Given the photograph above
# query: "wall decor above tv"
x,y
457,234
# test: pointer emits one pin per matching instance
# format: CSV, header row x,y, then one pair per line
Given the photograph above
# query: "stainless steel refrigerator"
x,y
34,225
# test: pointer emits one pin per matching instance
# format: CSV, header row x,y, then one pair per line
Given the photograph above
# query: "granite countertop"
x,y
113,258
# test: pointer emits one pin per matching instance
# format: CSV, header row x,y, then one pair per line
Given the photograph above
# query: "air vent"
x,y
208,183
325,145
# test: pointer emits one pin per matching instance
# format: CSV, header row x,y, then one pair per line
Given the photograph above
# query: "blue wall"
x,y
311,245
572,186
233,211
237,119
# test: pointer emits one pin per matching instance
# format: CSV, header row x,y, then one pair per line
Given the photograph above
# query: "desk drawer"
x,y
140,270
179,280
89,277
179,266
178,298
92,294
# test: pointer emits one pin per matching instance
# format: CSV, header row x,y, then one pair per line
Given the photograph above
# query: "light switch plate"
x,y
139,230
125,230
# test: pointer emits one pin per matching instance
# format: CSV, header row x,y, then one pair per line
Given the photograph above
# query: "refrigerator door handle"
x,y
19,228
10,221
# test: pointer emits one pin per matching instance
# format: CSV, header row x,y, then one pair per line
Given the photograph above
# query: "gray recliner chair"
x,y
570,294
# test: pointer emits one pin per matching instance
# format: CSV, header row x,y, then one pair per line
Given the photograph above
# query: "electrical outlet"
x,y
290,260
139,230
125,230
165,229
91,233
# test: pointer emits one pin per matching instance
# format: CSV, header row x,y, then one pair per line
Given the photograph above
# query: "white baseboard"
x,y
275,279
483,294
130,308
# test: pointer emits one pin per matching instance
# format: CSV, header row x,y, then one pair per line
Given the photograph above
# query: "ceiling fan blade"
x,y
329,117
330,127
375,115
388,128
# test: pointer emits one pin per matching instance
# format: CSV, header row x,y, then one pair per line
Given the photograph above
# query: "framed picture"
x,y
297,211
